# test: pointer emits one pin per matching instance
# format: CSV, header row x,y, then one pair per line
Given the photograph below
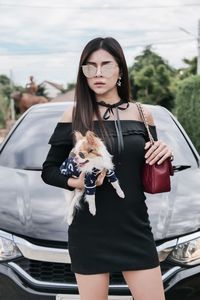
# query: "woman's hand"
x,y
100,178
77,183
157,153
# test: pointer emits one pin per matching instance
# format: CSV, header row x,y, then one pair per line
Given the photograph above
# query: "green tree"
x,y
188,107
190,69
5,91
70,86
4,80
151,78
4,110
5,86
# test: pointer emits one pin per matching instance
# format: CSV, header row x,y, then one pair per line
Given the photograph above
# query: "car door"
x,y
178,211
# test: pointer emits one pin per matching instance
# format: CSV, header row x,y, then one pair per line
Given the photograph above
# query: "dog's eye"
x,y
90,150
81,154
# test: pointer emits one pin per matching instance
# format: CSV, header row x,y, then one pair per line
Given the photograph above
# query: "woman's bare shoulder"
x,y
146,111
67,116
148,115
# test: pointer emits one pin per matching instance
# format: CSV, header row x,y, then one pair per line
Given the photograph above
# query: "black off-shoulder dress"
x,y
119,236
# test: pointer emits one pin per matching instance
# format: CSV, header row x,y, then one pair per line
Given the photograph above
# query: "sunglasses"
x,y
106,70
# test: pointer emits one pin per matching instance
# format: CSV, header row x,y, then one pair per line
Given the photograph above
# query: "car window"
x,y
169,132
28,145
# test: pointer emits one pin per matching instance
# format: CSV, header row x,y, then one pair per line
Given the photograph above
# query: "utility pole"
x,y
198,43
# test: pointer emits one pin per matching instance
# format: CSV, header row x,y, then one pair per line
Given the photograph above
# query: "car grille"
x,y
61,272
57,272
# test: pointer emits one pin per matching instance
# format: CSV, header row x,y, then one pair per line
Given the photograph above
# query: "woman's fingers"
x,y
77,182
154,150
81,180
158,152
159,157
100,178
166,155
147,145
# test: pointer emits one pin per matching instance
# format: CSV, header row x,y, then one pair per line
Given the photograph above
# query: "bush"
x,y
4,110
188,107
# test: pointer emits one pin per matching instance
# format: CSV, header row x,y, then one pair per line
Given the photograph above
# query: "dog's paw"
x,y
70,219
90,199
92,209
120,193
70,215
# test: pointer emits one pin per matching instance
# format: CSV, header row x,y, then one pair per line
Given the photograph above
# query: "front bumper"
x,y
44,273
179,283
13,288
13,278
184,285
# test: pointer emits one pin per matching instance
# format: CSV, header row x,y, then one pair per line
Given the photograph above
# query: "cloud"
x,y
45,38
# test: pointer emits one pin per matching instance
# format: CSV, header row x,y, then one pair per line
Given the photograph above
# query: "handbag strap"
x,y
144,119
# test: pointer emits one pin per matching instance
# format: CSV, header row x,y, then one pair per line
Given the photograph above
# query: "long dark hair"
x,y
85,102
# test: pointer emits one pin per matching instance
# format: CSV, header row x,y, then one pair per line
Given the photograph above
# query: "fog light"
x,y
8,249
187,253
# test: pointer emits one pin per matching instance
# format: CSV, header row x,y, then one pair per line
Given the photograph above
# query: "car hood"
x,y
31,208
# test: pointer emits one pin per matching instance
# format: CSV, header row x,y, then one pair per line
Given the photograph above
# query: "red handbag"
x,y
155,178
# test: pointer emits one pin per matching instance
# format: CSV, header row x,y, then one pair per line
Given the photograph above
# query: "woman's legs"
x,y
93,286
145,284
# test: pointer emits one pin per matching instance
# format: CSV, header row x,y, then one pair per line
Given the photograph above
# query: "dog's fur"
x,y
89,156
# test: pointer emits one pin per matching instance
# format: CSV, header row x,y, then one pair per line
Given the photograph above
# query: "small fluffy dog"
x,y
89,156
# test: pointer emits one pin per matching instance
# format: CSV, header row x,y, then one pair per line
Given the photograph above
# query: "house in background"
x,y
55,92
52,89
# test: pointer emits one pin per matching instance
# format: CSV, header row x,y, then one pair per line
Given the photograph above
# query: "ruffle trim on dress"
x,y
128,132
63,134
130,127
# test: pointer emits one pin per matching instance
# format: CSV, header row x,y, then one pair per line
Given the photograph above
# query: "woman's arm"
x,y
58,152
159,151
51,167
61,145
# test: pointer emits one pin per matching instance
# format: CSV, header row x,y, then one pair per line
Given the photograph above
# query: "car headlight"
x,y
187,253
8,249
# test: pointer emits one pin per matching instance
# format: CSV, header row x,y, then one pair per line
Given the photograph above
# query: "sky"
x,y
45,38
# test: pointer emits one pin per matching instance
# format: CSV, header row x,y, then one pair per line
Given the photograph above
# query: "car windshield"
x,y
169,132
28,145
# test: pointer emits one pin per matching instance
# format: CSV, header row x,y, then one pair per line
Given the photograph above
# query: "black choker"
x,y
107,114
110,107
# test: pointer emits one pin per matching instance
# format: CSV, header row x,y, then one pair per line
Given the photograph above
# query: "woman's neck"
x,y
109,98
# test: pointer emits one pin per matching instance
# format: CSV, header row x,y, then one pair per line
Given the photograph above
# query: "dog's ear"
x,y
91,138
78,136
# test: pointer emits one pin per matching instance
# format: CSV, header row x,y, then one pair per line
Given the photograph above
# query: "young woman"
x,y
118,237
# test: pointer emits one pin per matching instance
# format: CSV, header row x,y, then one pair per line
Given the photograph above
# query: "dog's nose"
x,y
81,155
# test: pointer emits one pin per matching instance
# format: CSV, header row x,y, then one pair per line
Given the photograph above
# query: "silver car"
x,y
34,258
